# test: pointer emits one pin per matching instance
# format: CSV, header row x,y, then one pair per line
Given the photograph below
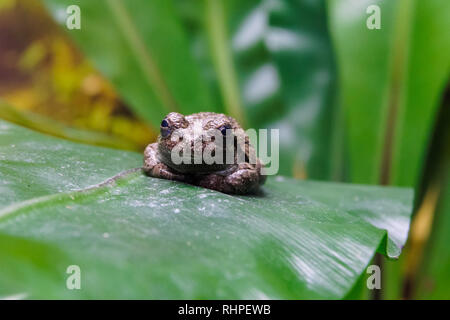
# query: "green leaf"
x,y
363,59
300,73
391,81
221,55
282,63
134,236
286,72
140,47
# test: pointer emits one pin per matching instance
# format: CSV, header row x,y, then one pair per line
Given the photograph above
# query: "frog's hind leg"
x,y
155,168
244,180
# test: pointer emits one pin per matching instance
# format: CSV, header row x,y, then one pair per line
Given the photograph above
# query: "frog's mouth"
x,y
193,165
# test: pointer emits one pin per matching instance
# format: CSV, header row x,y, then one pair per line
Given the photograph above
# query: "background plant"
x,y
355,105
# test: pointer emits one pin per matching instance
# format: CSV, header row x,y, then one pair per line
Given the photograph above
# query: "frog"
x,y
238,175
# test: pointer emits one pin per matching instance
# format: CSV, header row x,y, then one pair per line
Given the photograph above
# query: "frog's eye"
x,y
165,130
223,129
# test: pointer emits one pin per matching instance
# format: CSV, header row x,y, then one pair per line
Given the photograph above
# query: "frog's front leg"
x,y
155,168
244,179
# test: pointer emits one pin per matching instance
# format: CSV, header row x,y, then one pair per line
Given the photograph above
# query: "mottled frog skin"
x,y
232,177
